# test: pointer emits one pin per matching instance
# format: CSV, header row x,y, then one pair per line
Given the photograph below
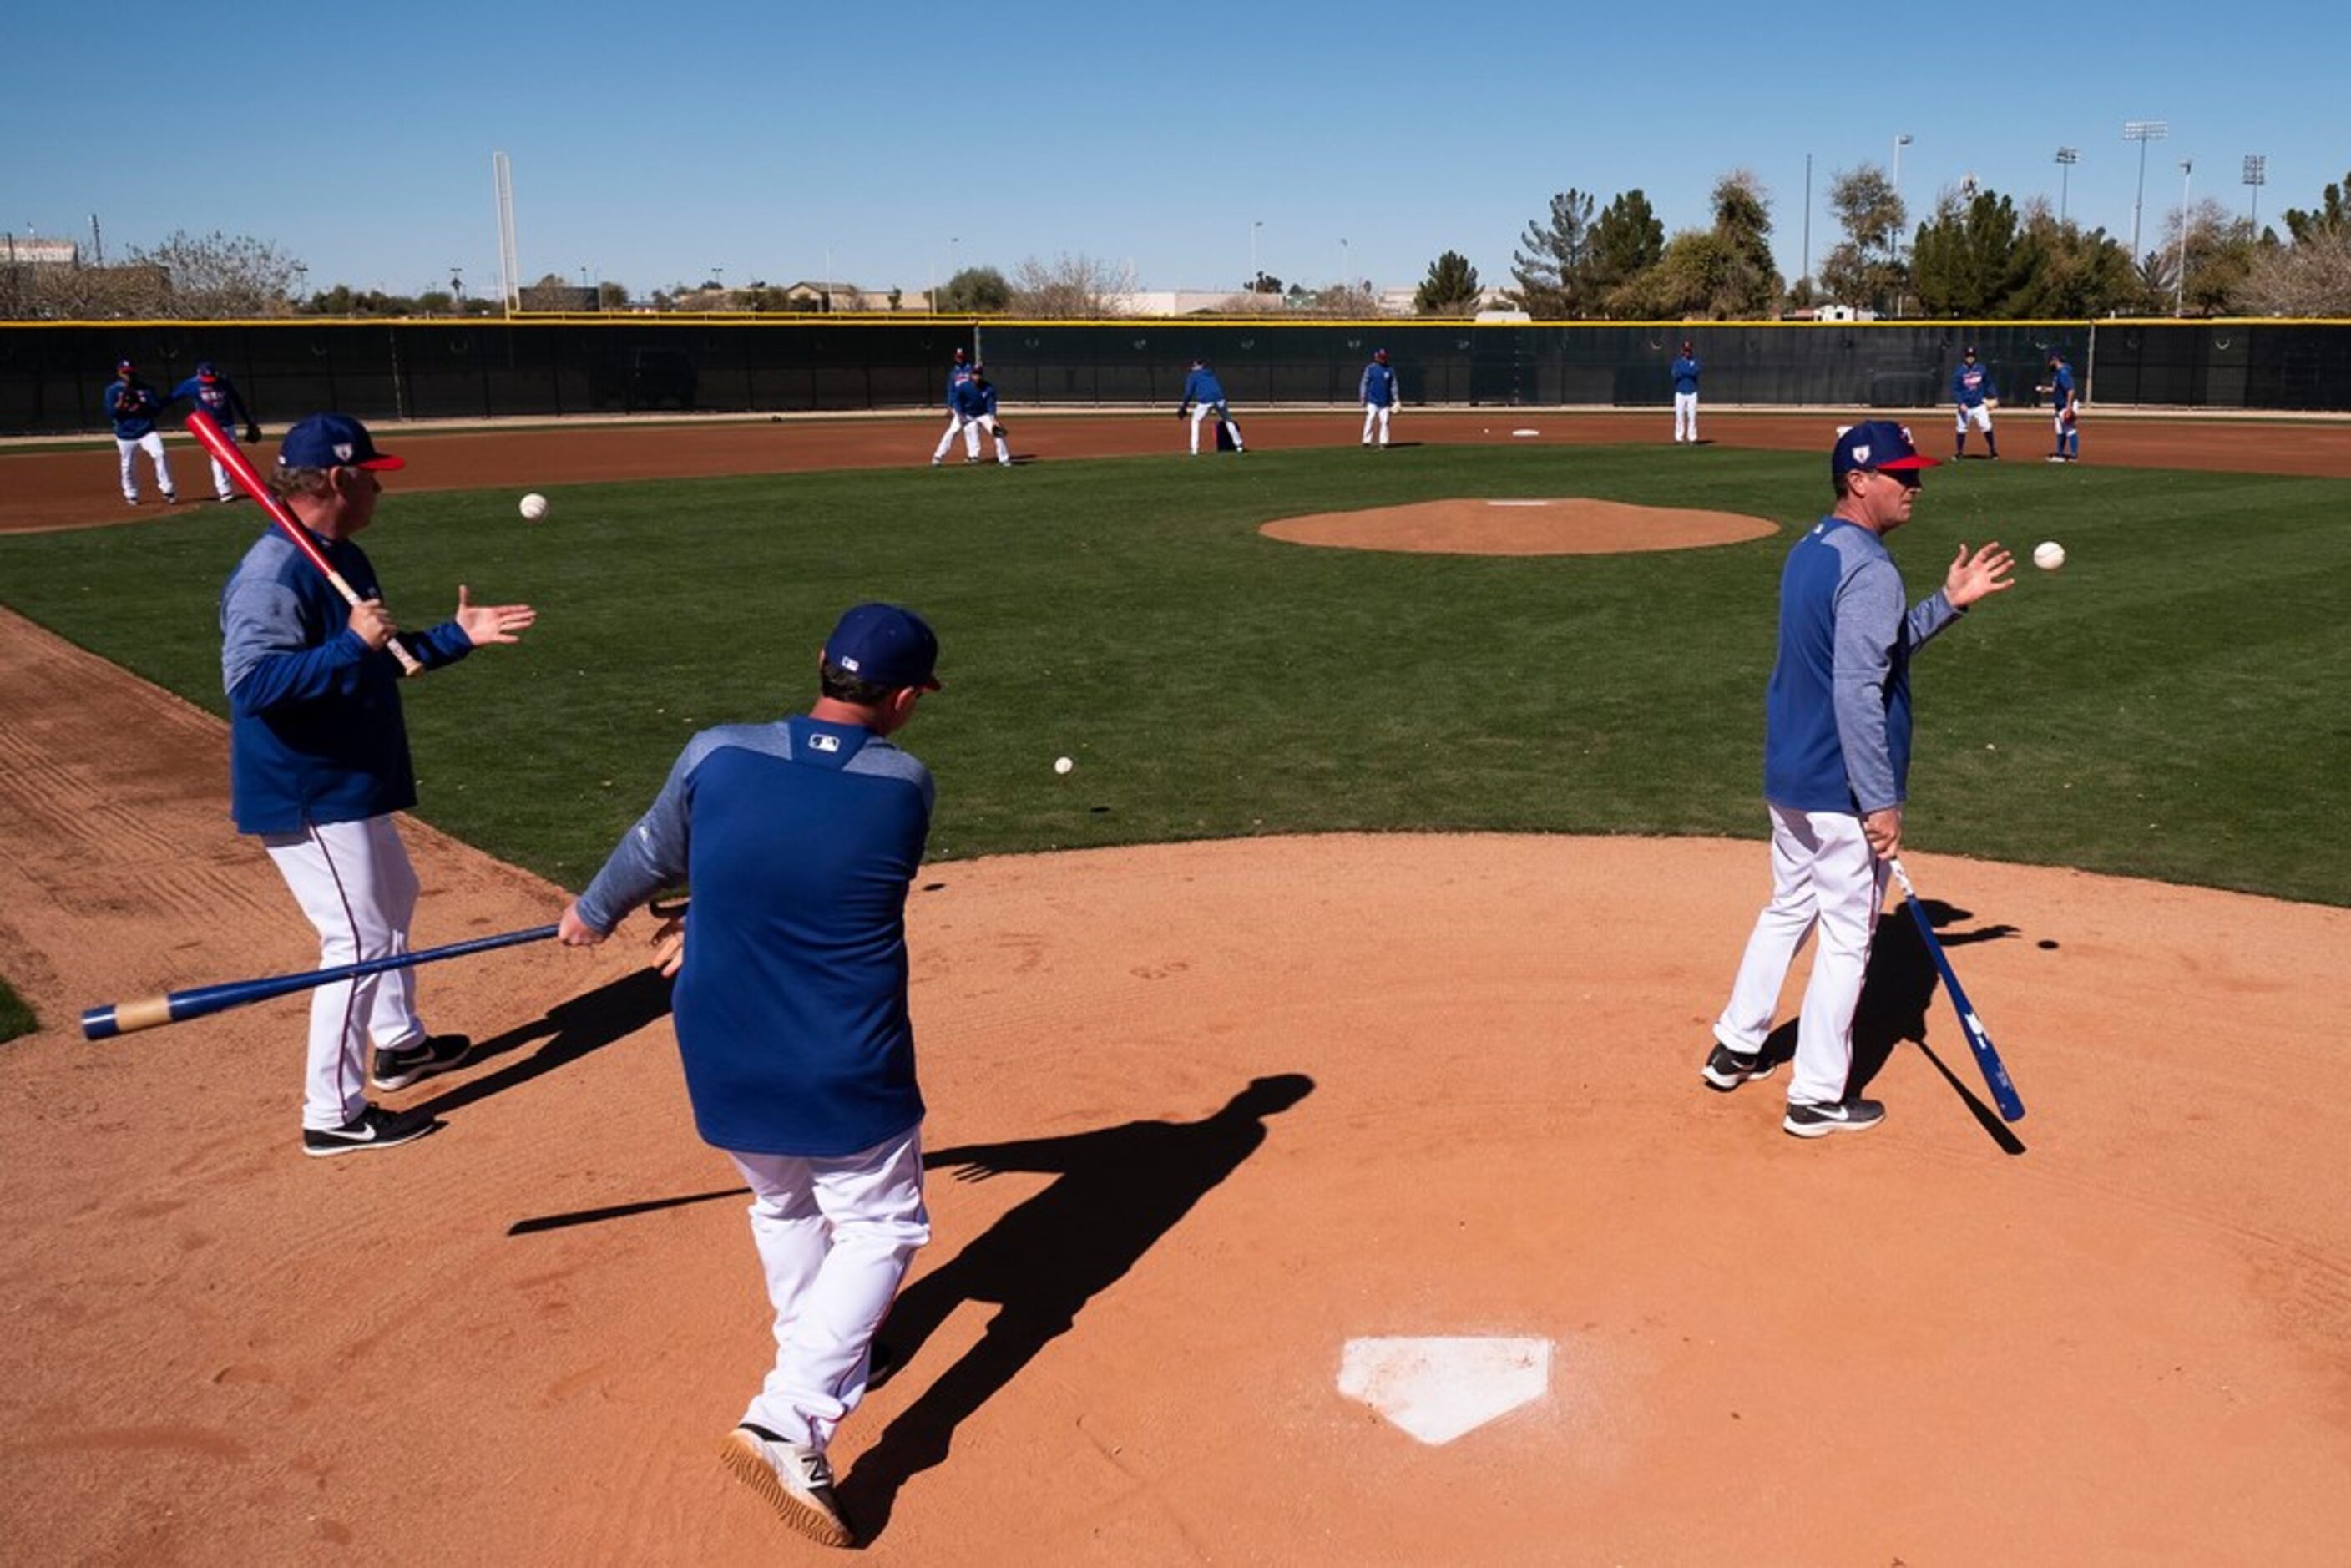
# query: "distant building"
x,y
818,294
31,250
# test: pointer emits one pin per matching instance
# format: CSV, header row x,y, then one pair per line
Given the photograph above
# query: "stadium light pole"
x,y
1255,225
2257,175
2179,284
2141,132
1343,263
1894,240
2067,157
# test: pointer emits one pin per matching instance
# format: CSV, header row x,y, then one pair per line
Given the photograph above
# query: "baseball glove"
x,y
1184,410
252,433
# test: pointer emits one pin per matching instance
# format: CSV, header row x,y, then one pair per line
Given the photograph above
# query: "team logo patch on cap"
x,y
1861,457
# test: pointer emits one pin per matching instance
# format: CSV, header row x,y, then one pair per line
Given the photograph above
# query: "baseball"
x,y
2048,555
534,507
1062,765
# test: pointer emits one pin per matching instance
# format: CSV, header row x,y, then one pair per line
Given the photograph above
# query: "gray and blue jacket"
x,y
800,838
1836,731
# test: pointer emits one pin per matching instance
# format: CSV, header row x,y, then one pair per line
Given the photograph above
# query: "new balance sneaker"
x,y
792,1477
1727,1069
399,1066
1817,1121
373,1128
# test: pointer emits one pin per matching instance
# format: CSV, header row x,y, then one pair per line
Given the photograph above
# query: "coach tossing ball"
x,y
534,507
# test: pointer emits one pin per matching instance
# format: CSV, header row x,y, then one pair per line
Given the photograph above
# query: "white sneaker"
x,y
794,1479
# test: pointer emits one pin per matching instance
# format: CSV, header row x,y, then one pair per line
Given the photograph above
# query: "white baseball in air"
x,y
2048,555
534,507
1062,765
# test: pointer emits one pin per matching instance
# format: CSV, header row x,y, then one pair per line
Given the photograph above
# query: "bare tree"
x,y
221,275
1070,287
2311,278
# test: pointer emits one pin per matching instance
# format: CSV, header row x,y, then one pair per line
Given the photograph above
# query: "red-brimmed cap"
x,y
1881,446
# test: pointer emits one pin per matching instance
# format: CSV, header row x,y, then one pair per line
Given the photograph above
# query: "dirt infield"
x,y
49,489
1563,526
2127,1337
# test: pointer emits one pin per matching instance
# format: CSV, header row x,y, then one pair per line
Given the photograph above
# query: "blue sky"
x,y
651,146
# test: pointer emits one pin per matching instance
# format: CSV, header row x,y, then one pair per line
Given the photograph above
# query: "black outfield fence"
x,y
52,376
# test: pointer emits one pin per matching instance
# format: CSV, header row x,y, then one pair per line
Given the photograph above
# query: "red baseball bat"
x,y
226,453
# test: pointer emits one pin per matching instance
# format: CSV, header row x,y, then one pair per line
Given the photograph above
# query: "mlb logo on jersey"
x,y
824,743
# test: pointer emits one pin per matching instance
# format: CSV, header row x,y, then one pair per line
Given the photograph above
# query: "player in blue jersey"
x,y
1204,395
1684,373
1380,393
217,396
1836,761
132,406
960,396
2065,408
318,762
1974,396
986,419
798,838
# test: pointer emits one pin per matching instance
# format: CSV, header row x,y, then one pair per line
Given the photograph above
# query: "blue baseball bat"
x,y
178,1007
1995,1072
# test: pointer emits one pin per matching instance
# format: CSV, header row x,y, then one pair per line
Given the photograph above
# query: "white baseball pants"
x,y
1376,414
956,421
150,443
988,422
354,882
224,487
1978,414
1685,416
835,1236
1201,412
1825,876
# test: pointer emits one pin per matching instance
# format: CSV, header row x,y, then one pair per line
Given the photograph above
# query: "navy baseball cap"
x,y
1379,353
1969,351
884,645
123,365
1880,446
333,441
205,371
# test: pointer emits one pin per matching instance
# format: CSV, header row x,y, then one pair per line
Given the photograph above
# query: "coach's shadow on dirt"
x,y
587,1023
1118,1190
1897,996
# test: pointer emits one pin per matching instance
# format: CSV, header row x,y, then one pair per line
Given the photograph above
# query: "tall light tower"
x,y
2141,132
2179,284
1894,240
2257,175
2067,157
1255,225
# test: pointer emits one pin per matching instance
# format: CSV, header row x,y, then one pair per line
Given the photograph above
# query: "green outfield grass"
x,y
2175,704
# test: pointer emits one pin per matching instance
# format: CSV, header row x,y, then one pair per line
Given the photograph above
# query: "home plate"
x,y
1438,1389
1526,433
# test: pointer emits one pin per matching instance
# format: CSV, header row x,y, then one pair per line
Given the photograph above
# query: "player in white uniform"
x,y
958,387
132,406
1380,394
1974,397
1686,373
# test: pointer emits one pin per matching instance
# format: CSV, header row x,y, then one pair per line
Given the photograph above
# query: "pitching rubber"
x,y
743,1454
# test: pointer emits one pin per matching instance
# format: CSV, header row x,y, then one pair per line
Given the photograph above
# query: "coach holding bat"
x,y
1836,762
318,762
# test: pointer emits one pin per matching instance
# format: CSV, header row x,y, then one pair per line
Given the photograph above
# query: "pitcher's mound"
x,y
1569,525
